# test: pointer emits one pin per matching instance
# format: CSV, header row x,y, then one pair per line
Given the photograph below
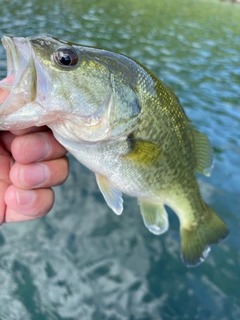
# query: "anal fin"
x,y
154,216
112,196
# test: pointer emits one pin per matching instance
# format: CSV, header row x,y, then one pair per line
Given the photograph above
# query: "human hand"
x,y
31,162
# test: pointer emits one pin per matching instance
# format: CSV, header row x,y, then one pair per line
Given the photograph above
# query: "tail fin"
x,y
194,243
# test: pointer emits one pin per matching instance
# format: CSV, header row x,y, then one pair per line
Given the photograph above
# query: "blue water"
x,y
82,262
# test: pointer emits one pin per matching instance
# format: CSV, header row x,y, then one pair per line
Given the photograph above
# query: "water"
x,y
82,262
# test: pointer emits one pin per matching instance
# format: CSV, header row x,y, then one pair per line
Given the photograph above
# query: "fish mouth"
x,y
12,63
17,89
12,55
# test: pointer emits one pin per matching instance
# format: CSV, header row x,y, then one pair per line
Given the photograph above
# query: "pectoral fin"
x,y
143,153
203,153
154,216
112,196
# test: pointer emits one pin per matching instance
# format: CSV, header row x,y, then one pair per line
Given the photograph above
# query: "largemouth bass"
x,y
120,121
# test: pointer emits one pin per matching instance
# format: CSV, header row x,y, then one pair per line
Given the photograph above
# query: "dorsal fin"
x,y
203,153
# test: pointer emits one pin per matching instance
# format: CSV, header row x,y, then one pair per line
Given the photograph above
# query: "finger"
x,y
40,175
36,146
7,137
5,163
6,141
3,188
5,166
27,204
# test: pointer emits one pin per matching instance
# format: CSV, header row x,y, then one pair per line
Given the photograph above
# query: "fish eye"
x,y
66,57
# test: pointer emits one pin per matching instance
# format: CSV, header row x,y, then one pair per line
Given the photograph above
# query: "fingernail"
x,y
34,175
46,147
25,197
39,146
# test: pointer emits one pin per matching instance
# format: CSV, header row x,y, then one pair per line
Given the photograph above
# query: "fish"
x,y
123,123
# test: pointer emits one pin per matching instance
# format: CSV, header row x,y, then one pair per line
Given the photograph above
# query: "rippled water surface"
x,y
82,261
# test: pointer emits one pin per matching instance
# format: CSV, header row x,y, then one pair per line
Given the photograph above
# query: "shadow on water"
x,y
84,262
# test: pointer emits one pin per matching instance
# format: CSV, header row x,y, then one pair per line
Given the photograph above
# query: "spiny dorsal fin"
x,y
154,216
112,196
143,152
203,153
